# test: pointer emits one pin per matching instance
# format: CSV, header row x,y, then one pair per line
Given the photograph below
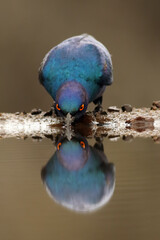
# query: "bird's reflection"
x,y
79,176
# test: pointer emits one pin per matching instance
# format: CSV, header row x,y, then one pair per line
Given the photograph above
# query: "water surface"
x,y
28,212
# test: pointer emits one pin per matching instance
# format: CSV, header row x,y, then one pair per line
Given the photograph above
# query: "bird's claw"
x,y
50,112
98,109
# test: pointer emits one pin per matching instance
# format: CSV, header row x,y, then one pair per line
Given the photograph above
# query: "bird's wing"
x,y
105,59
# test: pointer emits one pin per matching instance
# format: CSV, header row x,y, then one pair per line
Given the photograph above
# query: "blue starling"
x,y
75,73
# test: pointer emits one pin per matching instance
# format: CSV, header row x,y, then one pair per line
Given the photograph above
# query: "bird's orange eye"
x,y
81,107
58,146
82,144
57,106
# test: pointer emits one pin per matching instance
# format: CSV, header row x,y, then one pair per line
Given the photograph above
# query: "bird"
x,y
79,176
76,73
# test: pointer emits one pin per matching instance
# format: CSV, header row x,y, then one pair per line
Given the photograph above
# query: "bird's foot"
x,y
99,109
50,112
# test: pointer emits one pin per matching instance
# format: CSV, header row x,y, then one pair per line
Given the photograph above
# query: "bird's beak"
x,y
68,126
68,119
68,116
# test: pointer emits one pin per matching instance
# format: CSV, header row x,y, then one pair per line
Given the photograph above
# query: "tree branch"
x,y
113,123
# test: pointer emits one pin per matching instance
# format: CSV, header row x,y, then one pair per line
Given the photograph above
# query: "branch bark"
x,y
113,123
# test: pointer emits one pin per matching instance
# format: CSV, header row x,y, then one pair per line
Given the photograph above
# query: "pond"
x,y
79,189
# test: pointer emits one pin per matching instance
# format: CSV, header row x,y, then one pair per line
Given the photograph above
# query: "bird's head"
x,y
71,98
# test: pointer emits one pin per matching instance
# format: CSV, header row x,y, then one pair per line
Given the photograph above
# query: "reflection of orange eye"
x,y
82,144
57,106
81,108
58,146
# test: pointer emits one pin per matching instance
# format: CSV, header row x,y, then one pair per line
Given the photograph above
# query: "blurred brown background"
x,y
129,29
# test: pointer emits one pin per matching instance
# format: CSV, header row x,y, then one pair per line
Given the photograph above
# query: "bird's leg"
x,y
98,102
